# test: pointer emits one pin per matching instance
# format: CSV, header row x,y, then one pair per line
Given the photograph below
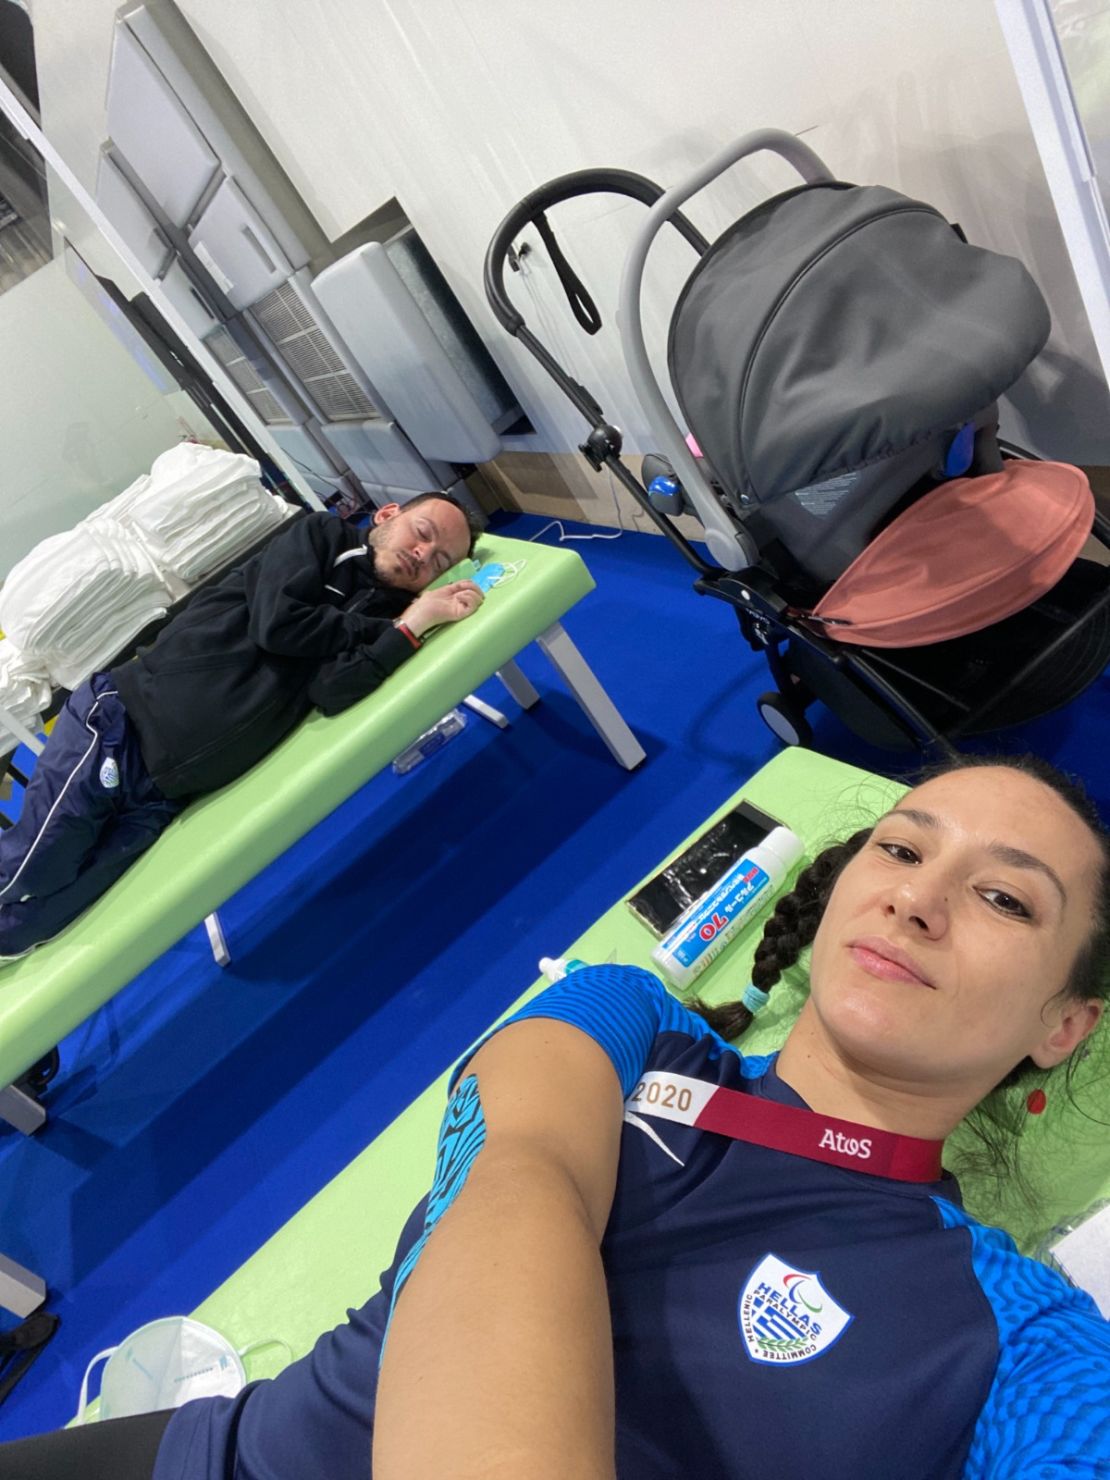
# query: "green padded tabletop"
x,y
329,1256
222,841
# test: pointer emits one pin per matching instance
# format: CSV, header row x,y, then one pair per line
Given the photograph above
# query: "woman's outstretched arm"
x,y
498,1362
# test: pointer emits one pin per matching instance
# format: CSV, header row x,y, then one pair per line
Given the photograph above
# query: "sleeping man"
x,y
321,616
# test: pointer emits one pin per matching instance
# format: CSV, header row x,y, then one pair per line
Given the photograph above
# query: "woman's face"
x,y
949,935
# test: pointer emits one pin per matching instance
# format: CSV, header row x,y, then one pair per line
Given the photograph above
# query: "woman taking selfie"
x,y
646,1255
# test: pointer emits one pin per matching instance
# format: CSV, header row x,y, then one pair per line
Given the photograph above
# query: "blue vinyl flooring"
x,y
198,1110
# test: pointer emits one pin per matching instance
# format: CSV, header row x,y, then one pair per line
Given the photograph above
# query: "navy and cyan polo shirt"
x,y
772,1316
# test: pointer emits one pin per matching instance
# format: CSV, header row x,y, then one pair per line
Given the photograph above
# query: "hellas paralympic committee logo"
x,y
786,1314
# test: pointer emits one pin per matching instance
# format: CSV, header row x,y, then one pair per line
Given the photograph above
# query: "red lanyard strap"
x,y
789,1128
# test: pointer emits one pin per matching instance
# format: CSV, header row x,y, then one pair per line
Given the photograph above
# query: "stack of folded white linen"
x,y
79,597
25,690
198,509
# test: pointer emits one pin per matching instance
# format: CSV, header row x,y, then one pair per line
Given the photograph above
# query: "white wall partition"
x,y
458,108
80,420
1074,140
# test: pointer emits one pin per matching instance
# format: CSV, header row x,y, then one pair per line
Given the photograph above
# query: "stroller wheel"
x,y
781,717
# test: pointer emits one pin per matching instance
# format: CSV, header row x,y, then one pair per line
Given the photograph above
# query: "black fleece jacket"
x,y
303,622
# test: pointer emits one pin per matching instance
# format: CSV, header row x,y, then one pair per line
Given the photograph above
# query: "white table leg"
x,y
518,686
602,713
21,1111
487,711
21,1292
216,939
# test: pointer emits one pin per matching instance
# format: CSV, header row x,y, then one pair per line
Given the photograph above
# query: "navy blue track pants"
x,y
91,808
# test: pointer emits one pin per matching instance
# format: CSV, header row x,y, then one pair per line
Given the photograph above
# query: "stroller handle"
x,y
566,187
731,547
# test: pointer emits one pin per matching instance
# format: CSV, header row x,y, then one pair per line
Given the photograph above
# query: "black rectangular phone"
x,y
686,878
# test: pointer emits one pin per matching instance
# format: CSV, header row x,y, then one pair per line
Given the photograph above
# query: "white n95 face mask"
x,y
164,1364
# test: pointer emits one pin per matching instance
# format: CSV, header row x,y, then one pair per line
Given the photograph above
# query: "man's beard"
x,y
373,540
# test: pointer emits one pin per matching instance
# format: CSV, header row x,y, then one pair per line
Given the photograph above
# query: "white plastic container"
x,y
452,724
1080,1249
700,933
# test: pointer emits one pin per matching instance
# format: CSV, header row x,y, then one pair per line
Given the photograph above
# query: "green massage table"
x,y
328,1257
222,841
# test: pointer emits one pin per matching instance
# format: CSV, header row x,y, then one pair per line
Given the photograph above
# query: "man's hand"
x,y
445,604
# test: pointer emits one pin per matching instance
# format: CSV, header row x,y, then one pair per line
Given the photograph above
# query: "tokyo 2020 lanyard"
x,y
789,1128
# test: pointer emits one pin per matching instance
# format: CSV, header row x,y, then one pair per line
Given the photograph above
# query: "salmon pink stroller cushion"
x,y
963,557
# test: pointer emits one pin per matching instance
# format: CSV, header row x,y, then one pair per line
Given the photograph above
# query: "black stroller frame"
x,y
767,620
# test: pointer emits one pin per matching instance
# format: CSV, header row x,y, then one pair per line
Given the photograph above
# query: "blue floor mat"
x,y
200,1108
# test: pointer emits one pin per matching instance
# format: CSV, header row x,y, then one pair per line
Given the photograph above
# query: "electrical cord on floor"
x,y
564,537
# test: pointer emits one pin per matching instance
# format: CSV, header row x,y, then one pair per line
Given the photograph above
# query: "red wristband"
x,y
412,637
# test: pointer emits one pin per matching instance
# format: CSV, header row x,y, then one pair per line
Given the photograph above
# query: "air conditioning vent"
x,y
247,378
285,319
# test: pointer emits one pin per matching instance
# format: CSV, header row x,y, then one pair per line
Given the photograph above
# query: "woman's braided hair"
x,y
793,923
790,929
997,1120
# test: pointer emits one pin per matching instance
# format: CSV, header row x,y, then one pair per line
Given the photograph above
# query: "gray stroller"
x,y
838,354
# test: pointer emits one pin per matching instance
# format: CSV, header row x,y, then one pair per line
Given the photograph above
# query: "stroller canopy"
x,y
965,556
837,325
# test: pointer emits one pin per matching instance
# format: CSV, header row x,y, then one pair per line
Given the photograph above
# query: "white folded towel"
x,y
25,688
197,509
79,598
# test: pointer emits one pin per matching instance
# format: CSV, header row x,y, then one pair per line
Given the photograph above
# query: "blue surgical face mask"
x,y
486,576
